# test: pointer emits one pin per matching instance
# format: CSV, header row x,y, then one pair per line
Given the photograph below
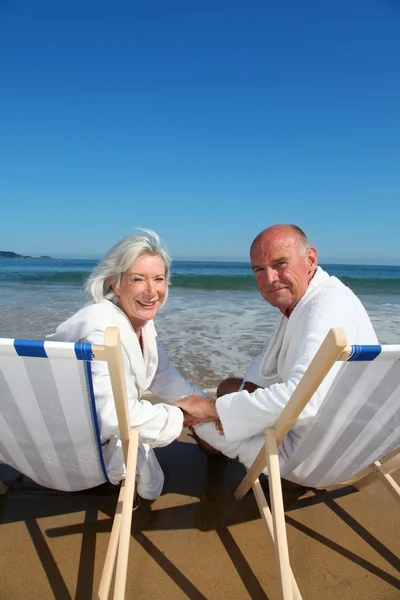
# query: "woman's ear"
x,y
114,286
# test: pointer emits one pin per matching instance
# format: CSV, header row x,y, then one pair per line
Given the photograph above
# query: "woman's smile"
x,y
142,289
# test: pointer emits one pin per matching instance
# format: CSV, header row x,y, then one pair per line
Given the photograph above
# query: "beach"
x,y
195,541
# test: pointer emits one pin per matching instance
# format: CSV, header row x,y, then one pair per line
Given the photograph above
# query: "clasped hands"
x,y
198,409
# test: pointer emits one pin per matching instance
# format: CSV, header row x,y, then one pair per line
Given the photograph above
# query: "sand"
x,y
196,541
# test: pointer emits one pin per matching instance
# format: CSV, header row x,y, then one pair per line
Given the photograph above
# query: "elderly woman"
x,y
126,290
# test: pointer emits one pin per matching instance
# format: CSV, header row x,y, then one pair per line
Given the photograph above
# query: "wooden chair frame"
x,y
121,530
119,541
334,348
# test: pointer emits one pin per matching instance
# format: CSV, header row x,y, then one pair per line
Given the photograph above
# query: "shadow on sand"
x,y
188,472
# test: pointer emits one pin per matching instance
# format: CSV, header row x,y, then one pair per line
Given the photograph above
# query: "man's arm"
x,y
248,412
245,414
202,409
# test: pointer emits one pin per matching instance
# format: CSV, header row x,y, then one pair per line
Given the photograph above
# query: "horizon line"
x,y
369,262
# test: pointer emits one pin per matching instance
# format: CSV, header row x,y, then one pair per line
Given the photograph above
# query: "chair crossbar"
x,y
373,352
387,479
46,349
392,464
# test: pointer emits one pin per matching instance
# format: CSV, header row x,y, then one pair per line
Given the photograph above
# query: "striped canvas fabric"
x,y
358,422
48,423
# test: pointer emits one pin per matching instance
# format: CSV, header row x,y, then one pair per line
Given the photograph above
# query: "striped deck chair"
x,y
356,433
49,429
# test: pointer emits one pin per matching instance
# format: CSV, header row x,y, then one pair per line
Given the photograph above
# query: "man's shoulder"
x,y
330,287
330,299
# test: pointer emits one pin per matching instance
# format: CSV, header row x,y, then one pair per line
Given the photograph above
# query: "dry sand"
x,y
197,542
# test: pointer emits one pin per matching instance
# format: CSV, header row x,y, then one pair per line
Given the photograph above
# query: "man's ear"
x,y
312,257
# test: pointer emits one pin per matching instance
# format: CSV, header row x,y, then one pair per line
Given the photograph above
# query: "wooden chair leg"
x,y
108,569
252,475
267,518
278,516
126,517
121,529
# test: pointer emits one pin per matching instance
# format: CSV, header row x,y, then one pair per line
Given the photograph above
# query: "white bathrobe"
x,y
158,424
278,369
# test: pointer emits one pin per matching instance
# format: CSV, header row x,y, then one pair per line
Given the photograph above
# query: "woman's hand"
x,y
219,427
189,420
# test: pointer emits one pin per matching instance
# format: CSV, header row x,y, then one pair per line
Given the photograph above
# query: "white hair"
x,y
119,259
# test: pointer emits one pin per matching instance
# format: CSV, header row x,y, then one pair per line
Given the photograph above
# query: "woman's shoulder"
x,y
92,317
150,327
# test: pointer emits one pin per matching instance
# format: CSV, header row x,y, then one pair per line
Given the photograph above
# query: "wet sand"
x,y
196,541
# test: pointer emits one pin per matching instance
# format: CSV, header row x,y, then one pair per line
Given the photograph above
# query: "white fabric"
x,y
46,423
158,424
358,423
278,369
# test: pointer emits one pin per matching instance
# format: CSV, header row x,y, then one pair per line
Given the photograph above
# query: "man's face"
x,y
282,273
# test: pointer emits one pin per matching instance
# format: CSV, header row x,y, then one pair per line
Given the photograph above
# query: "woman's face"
x,y
142,289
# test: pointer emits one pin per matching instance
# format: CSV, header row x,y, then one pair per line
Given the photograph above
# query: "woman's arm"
x,y
158,424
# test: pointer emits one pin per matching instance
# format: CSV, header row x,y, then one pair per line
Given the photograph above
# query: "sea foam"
x,y
208,334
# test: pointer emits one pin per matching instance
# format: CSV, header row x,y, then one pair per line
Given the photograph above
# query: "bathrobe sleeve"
x,y
245,414
158,424
168,384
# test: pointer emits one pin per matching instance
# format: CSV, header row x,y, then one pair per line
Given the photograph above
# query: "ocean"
x,y
214,321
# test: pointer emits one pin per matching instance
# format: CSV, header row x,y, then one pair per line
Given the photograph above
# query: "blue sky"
x,y
205,121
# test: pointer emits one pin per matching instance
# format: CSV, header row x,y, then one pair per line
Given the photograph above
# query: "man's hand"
x,y
202,409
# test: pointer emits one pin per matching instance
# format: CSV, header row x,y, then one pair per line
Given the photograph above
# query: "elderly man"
x,y
311,302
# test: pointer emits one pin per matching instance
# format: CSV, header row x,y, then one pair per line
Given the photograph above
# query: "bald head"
x,y
284,263
286,233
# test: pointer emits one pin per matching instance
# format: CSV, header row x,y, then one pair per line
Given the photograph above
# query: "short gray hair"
x,y
302,238
119,259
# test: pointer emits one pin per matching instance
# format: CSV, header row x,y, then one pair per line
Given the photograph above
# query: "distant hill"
x,y
5,254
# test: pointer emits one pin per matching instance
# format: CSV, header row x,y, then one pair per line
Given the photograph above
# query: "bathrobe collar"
x,y
276,349
99,316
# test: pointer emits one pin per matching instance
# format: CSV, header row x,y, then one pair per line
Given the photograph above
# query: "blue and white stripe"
x,y
47,349
357,423
368,353
48,422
